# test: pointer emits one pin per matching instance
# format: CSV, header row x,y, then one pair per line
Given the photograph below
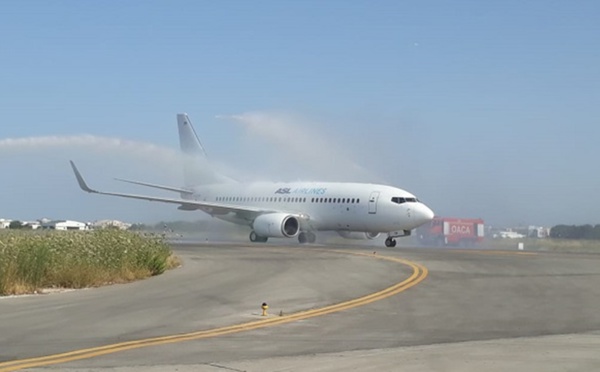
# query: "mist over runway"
x,y
472,307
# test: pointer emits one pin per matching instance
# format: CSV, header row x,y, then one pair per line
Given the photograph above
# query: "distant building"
x,y
4,224
110,224
65,225
31,224
509,234
539,232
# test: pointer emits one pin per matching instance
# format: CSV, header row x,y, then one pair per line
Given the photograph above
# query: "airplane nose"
x,y
422,214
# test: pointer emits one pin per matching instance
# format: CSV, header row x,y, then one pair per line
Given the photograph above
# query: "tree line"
x,y
587,232
164,226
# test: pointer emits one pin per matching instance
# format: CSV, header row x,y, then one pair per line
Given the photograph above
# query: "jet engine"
x,y
358,235
276,225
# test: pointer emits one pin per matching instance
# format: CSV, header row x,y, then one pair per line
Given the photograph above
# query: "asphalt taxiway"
x,y
450,310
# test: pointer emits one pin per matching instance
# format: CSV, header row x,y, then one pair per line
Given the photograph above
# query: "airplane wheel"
x,y
253,237
257,239
390,243
311,237
302,238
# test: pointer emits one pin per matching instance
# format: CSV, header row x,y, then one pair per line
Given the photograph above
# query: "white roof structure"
x,y
65,225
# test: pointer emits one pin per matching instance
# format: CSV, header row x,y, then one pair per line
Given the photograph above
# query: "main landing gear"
x,y
390,242
303,238
257,239
307,237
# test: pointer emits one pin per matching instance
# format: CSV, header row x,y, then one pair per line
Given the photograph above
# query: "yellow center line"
x,y
419,274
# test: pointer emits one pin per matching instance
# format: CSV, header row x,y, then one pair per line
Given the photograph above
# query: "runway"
x,y
469,309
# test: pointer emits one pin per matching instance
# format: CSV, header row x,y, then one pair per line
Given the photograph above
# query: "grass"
x,y
551,245
31,260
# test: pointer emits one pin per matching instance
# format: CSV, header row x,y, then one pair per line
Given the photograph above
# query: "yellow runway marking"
x,y
419,274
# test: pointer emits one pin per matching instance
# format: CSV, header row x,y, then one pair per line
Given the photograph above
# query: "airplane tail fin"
x,y
188,139
196,168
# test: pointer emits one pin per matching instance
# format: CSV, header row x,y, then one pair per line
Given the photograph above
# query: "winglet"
x,y
80,179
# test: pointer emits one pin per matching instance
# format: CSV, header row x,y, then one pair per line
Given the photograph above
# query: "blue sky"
x,y
481,108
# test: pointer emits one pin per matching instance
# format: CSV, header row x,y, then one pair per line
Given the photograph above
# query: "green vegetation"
x,y
172,226
585,232
31,260
551,245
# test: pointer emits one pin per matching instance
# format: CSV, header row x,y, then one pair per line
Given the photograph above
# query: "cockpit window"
x,y
400,200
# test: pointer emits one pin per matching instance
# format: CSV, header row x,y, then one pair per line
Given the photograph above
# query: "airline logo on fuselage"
x,y
302,190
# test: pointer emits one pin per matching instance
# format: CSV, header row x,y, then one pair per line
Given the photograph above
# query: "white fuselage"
x,y
329,206
286,209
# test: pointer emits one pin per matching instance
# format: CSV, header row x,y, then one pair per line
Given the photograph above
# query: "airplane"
x,y
287,210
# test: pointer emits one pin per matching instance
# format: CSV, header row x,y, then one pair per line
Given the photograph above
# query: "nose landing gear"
x,y
390,241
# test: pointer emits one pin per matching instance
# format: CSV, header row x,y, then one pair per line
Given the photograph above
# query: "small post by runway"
x,y
264,308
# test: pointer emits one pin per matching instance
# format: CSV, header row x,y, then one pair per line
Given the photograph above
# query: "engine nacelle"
x,y
276,225
358,235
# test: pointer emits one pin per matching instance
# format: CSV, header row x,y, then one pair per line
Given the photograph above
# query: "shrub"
x,y
30,260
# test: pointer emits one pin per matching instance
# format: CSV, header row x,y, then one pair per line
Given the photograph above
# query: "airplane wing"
x,y
161,187
245,212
